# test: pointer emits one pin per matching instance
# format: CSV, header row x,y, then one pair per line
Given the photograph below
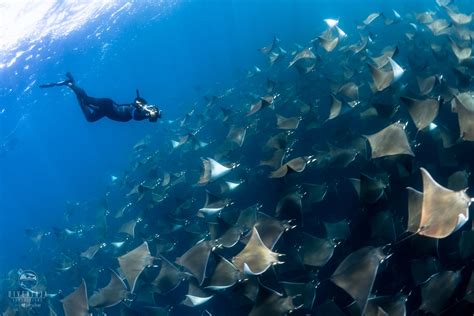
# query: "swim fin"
x,y
68,81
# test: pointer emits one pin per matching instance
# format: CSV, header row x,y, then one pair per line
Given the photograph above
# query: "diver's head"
x,y
153,113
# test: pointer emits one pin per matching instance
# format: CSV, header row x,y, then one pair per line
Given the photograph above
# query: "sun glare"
x,y
25,23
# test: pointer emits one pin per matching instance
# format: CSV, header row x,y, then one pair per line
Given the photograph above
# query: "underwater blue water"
x,y
175,54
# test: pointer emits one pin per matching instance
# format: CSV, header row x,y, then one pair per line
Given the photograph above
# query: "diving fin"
x,y
67,82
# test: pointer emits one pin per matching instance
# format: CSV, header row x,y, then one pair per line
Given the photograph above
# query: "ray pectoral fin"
x,y
356,274
110,295
134,262
390,141
76,303
255,258
196,260
443,210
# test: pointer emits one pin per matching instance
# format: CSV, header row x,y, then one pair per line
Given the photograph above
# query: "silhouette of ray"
x,y
224,276
458,18
213,205
228,186
423,269
279,141
90,252
463,105
255,258
439,27
371,18
248,217
459,180
443,3
303,294
390,141
381,79
270,229
212,170
287,123
166,179
314,193
425,17
271,303
356,184
315,252
466,244
462,76
276,56
382,60
391,305
230,237
341,157
76,304
168,278
461,53
261,104
438,290
350,90
356,274
289,207
426,85
149,311
443,210
110,295
63,262
361,45
237,135
271,84
372,189
275,160
329,308
336,107
397,70
141,144
304,61
337,231
226,114
383,227
196,259
327,40
129,228
422,112
294,165
134,262
469,294
271,47
415,205
196,296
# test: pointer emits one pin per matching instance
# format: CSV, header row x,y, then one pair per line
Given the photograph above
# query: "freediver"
x,y
96,108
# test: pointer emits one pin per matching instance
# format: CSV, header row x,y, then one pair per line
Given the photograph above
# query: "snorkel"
x,y
139,100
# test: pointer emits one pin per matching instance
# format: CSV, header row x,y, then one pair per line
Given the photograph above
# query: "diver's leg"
x,y
90,114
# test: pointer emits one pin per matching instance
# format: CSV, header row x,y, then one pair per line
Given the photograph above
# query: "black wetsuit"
x,y
96,108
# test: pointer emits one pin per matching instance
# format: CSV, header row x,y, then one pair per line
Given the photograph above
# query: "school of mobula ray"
x,y
333,181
